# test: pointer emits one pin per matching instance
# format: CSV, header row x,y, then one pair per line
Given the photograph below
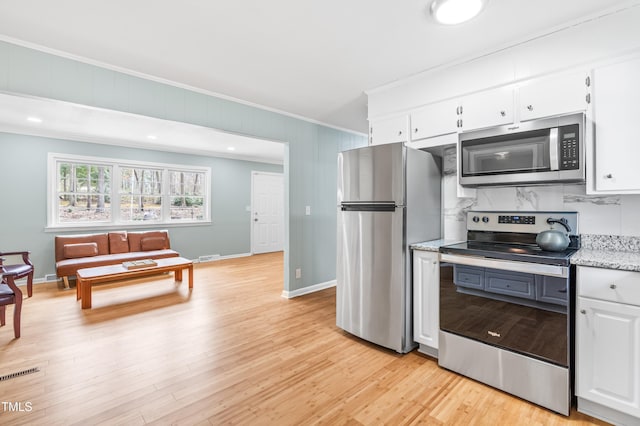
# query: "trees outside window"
x,y
140,194
187,195
83,192
94,191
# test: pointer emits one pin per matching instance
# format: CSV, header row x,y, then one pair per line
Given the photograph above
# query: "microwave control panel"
x,y
569,148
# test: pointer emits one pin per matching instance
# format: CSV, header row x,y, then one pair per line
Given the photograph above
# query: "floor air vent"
x,y
18,374
208,258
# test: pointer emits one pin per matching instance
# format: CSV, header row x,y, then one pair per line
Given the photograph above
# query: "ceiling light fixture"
x,y
452,12
34,119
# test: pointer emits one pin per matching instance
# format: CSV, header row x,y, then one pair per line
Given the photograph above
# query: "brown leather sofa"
x,y
75,252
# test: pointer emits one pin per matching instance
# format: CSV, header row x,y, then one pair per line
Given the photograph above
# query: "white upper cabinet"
x,y
542,97
389,130
616,111
435,120
488,108
553,95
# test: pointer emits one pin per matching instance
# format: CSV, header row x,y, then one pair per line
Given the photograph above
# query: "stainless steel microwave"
x,y
549,150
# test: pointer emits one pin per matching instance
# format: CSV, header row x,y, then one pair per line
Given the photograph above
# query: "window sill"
x,y
98,227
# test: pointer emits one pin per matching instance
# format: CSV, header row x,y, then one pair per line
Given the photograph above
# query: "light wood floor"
x,y
231,352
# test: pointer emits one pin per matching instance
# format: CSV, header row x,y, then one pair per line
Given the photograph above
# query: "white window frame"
x,y
53,222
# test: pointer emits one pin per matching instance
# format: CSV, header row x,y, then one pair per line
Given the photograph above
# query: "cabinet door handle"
x,y
502,113
415,130
612,286
400,133
530,107
608,176
583,312
588,98
587,81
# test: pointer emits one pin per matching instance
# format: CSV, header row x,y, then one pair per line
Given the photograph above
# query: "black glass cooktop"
x,y
517,252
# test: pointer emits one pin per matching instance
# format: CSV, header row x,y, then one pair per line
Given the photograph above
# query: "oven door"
x,y
518,306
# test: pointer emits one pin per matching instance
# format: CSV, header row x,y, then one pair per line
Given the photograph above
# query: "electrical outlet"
x,y
298,273
307,210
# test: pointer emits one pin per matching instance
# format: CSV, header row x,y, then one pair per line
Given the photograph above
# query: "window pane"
x,y
83,208
187,208
186,183
137,207
83,193
100,180
141,181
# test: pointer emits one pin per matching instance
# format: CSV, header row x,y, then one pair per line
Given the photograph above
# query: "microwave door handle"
x,y
554,161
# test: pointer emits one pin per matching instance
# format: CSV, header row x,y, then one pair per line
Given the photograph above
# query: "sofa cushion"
x,y
68,267
153,243
135,239
101,239
118,242
73,251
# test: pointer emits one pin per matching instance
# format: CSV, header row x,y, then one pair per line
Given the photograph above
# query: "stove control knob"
x,y
476,219
485,219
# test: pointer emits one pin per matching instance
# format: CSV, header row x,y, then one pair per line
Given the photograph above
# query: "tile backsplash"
x,y
598,214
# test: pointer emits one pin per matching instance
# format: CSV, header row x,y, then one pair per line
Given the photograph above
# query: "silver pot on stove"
x,y
554,239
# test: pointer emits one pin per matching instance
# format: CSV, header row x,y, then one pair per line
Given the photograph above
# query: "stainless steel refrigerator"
x,y
388,199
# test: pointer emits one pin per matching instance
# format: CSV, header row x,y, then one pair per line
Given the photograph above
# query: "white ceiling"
x,y
312,59
80,122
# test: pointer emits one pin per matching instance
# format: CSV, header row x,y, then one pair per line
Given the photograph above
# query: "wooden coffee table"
x,y
88,276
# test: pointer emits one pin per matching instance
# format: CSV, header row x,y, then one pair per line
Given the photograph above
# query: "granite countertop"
x,y
609,251
433,245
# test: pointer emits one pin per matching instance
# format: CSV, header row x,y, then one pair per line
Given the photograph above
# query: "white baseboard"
x,y
53,277
218,257
23,281
307,290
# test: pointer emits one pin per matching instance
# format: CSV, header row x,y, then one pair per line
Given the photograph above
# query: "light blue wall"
x,y
24,176
310,170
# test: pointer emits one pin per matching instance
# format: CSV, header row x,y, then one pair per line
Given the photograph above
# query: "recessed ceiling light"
x,y
34,119
152,137
230,148
451,12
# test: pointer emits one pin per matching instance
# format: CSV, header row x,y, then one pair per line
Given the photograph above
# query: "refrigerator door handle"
x,y
383,206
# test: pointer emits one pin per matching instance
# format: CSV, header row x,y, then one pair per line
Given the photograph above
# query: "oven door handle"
x,y
507,265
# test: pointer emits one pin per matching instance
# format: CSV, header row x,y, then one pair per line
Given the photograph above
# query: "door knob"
x,y
255,220
582,311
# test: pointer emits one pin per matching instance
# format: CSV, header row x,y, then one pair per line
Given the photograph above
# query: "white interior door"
x,y
267,212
